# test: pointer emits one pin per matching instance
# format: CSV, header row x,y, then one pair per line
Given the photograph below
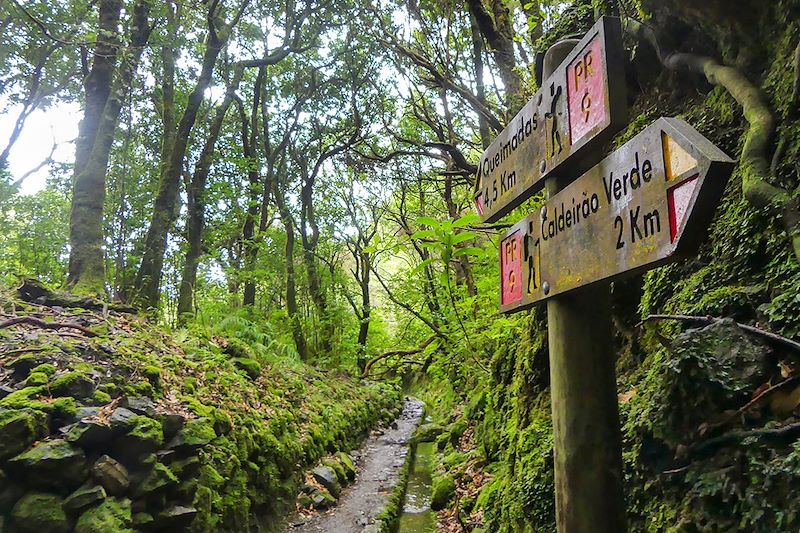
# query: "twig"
x,y
754,401
22,350
45,325
788,430
788,343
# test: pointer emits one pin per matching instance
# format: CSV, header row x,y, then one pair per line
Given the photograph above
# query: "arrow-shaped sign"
x,y
644,205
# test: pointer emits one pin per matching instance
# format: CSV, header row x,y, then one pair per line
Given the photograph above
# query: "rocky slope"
x,y
108,424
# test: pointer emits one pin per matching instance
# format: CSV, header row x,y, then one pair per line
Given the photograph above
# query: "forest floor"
x,y
379,465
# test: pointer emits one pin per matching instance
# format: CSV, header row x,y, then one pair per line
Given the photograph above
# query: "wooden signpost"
x,y
645,204
580,106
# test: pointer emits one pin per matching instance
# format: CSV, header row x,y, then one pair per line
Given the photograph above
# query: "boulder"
x,y
19,429
74,384
171,424
143,438
442,491
250,366
333,464
193,435
326,477
51,464
23,365
143,521
159,479
84,497
10,492
111,475
111,515
321,499
38,512
141,405
122,419
347,463
175,518
88,433
428,432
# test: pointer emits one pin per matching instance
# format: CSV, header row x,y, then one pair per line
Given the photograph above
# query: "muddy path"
x,y
378,464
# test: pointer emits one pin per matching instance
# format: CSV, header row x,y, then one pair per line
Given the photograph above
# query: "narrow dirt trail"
x,y
378,465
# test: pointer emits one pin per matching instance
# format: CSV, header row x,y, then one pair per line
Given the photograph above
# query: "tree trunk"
x,y
254,193
148,278
86,262
196,203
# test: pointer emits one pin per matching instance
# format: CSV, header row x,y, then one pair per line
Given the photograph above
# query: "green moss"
x,y
75,384
45,368
251,367
101,397
38,512
145,429
111,516
442,491
36,378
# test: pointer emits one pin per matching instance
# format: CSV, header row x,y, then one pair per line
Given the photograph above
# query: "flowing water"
x,y
417,516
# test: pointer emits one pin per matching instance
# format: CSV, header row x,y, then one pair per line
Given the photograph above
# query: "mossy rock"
x,y
442,491
19,429
45,368
23,365
238,349
159,479
428,432
144,437
347,464
37,512
194,434
36,379
84,497
74,384
53,463
336,466
111,516
250,366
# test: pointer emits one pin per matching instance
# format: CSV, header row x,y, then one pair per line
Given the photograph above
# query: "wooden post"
x,y
583,393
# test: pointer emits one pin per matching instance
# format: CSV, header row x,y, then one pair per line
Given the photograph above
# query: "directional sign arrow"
x,y
646,204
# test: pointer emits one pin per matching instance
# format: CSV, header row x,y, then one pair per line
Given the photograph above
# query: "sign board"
x,y
577,109
645,204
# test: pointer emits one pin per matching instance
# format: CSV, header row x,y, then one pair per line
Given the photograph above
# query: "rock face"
x,y
39,513
52,463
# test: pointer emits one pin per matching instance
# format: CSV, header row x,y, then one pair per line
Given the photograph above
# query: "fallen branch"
x,y
393,353
783,384
755,168
45,325
710,445
774,337
22,350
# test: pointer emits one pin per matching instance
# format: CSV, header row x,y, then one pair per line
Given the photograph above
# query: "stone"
x,y
347,463
52,463
19,429
143,520
159,479
250,366
88,433
122,419
37,512
171,424
326,477
111,475
428,432
113,515
141,405
186,467
84,497
22,366
74,384
193,435
10,492
442,491
5,390
304,501
322,500
144,437
333,464
175,518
